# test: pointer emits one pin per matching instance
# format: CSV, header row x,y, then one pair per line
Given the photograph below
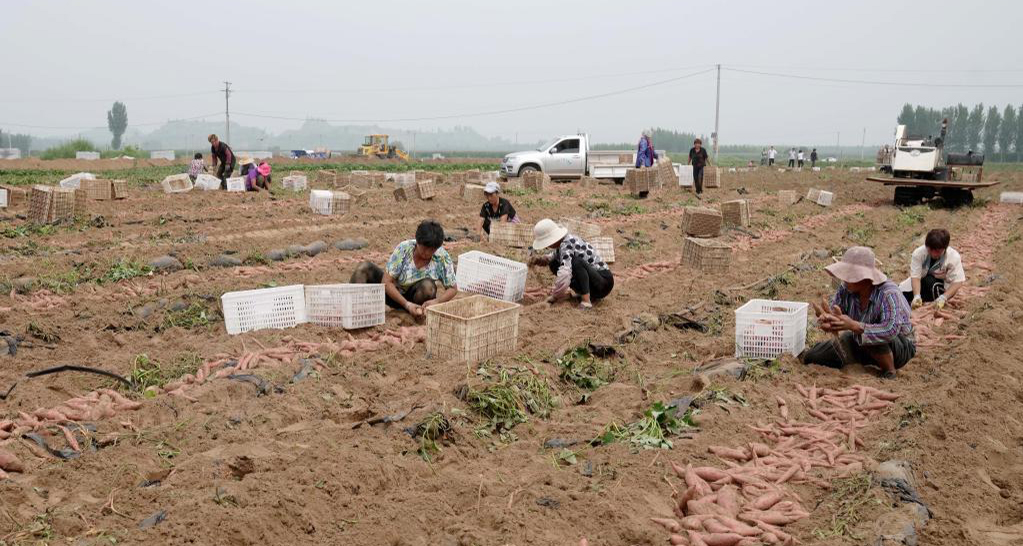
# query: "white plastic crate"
x,y
207,182
90,156
685,175
265,308
348,306
766,329
75,180
480,273
329,202
176,183
295,182
1014,197
825,198
236,184
3,198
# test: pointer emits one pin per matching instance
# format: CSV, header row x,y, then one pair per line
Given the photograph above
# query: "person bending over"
x,y
576,265
418,274
495,209
868,317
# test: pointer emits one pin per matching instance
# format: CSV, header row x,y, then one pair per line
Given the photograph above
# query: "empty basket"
x,y
98,189
640,181
348,306
685,175
3,198
706,255
480,273
701,222
207,182
824,198
295,182
535,180
715,180
326,177
766,329
511,234
736,213
176,183
236,184
425,189
787,197
1013,197
471,329
577,227
120,188
329,202
605,247
276,308
473,193
666,177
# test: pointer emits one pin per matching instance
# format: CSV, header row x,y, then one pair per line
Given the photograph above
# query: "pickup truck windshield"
x,y
547,146
568,146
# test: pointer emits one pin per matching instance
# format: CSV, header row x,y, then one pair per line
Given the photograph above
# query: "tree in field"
x,y
990,134
1007,132
908,118
1019,133
959,129
117,122
974,127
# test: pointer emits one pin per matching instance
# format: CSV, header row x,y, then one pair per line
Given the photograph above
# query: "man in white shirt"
x,y
800,157
792,158
935,271
771,155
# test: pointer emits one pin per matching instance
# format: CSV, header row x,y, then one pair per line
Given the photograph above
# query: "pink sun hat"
x,y
264,169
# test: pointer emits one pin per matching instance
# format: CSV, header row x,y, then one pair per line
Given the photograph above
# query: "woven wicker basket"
x,y
706,254
640,181
577,227
787,197
16,196
701,222
714,181
509,234
48,205
536,180
99,189
326,178
736,213
425,189
605,247
473,193
471,329
400,195
81,204
474,176
625,159
39,204
120,188
666,177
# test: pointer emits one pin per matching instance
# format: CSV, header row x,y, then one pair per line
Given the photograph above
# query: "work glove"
x,y
917,301
940,302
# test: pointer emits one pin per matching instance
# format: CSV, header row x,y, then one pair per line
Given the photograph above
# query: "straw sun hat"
x,y
546,232
858,263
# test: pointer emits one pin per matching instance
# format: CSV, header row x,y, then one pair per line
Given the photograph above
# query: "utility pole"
x,y
838,144
863,143
227,111
717,113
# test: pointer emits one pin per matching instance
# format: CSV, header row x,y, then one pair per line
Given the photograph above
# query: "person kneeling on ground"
x,y
935,271
576,265
495,209
418,274
868,315
196,167
257,178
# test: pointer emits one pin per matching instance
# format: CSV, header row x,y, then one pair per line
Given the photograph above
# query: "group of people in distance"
x,y
797,158
868,317
257,175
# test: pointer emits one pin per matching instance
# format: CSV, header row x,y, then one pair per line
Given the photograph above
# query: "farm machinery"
x,y
920,170
378,146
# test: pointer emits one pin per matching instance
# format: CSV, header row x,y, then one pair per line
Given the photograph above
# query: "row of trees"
x,y
997,133
664,139
19,141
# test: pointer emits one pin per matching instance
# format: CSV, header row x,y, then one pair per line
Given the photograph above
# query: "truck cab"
x,y
562,157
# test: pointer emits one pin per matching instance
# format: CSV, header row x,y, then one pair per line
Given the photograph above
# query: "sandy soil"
x,y
290,468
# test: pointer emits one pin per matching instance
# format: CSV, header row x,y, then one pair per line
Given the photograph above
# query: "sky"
x,y
535,68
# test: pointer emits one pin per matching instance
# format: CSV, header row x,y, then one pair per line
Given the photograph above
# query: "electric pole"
x,y
863,143
227,111
717,112
838,144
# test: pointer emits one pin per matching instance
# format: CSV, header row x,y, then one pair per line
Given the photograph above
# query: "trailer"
x,y
913,191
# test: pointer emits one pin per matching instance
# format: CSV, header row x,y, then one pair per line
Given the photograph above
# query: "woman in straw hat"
x,y
868,317
576,265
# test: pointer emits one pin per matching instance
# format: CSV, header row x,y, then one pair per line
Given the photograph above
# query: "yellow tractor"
x,y
376,145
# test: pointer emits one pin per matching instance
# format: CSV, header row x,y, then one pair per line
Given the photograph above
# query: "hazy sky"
x,y
64,61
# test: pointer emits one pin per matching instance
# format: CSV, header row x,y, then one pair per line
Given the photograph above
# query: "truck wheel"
x,y
527,169
954,197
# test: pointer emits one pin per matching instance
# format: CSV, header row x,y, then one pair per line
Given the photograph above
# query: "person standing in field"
x,y
772,154
645,153
813,158
800,157
699,159
763,156
792,158
221,152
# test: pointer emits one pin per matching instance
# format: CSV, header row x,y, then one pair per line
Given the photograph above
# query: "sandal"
x,y
888,375
584,306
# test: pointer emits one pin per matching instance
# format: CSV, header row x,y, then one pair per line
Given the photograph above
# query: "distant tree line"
x,y
999,134
21,142
664,139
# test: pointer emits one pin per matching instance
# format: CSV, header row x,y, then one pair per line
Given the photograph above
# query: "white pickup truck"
x,y
570,157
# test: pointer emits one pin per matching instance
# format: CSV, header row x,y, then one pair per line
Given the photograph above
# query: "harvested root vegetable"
x,y
729,453
766,501
10,462
668,523
678,540
769,516
721,539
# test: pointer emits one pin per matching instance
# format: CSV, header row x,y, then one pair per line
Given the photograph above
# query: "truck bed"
x,y
618,171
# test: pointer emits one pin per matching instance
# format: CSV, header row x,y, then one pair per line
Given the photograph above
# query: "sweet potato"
x,y
768,516
668,523
694,523
678,540
709,473
766,501
702,507
728,499
712,525
721,539
739,527
9,462
696,539
694,480
729,453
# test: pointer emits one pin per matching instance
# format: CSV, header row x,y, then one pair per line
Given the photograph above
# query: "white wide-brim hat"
x,y
858,263
546,232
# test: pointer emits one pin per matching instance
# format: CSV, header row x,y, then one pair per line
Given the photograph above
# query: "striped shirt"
x,y
886,316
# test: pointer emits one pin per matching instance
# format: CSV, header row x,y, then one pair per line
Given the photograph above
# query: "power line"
x,y
122,99
885,70
490,112
104,126
874,82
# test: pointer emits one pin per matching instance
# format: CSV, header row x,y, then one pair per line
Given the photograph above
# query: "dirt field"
x,y
290,467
